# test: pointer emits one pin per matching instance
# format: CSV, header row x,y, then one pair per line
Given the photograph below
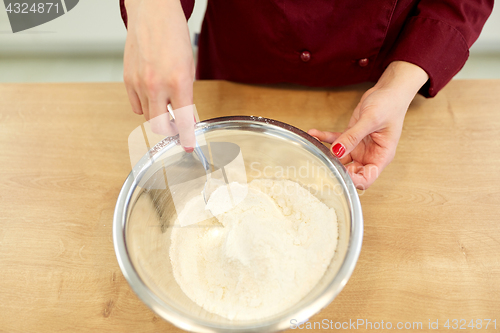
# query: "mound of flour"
x,y
258,258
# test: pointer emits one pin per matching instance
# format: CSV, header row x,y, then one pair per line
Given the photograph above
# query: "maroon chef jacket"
x,y
334,42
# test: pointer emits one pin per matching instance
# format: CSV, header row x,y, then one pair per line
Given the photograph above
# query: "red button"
x,y
363,62
305,56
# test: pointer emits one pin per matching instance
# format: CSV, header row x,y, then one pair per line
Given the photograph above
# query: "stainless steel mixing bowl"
x,y
145,214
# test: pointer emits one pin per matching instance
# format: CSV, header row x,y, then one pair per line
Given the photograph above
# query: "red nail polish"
x,y
338,150
188,149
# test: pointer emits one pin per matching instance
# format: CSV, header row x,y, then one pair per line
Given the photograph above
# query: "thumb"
x,y
350,138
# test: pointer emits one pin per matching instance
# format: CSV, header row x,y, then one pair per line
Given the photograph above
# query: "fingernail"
x,y
338,150
188,149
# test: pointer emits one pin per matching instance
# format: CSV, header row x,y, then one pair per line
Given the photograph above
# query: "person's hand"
x,y
159,67
369,143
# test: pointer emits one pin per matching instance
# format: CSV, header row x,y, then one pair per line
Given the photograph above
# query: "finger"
x,y
348,140
182,103
346,159
144,104
184,121
329,137
363,176
354,117
171,128
134,101
322,136
160,118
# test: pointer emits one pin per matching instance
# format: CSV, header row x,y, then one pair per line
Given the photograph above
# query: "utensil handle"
x,y
202,158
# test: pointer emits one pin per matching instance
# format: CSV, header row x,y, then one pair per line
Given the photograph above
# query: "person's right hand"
x,y
159,67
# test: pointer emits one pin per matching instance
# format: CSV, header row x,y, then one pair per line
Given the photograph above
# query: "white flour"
x,y
263,257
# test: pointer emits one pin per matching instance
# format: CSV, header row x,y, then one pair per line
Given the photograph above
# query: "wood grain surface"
x,y
431,247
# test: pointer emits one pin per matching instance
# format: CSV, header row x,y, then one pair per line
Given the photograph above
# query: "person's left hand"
x,y
369,143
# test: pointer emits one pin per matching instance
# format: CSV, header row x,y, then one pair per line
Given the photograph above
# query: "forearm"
x,y
404,78
165,8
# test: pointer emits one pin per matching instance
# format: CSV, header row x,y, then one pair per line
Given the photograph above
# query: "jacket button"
x,y
363,62
305,56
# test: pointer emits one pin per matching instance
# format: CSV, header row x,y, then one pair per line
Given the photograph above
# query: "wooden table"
x,y
431,247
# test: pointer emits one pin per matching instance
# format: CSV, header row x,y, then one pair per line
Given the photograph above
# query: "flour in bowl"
x,y
258,258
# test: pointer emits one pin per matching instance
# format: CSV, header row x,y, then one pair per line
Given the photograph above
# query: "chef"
x,y
405,46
